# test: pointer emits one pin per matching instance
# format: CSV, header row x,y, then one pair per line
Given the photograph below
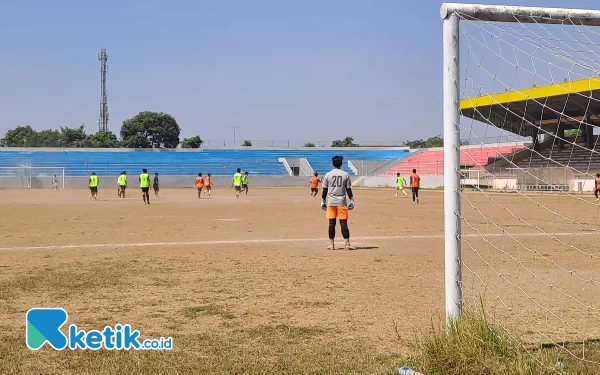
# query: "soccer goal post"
x,y
30,177
526,242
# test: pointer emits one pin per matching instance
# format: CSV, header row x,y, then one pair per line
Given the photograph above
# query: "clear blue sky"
x,y
299,70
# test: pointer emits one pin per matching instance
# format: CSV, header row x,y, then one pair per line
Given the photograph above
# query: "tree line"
x,y
145,130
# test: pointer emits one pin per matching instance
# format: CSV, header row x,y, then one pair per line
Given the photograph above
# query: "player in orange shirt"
x,y
208,185
415,184
199,184
314,185
597,190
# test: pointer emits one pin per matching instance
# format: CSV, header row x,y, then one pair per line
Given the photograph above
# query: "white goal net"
x,y
28,177
529,240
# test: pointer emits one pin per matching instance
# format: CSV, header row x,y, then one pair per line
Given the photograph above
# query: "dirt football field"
x,y
247,286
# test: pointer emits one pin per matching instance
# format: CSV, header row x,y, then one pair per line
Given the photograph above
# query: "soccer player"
x,y
336,184
208,185
122,182
415,184
237,182
54,183
597,191
155,185
400,185
145,185
314,185
93,184
245,182
199,184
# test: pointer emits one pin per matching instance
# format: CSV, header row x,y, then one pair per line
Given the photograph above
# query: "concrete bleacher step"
x,y
78,163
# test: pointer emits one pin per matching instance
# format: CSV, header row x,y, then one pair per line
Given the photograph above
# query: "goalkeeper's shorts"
x,y
337,212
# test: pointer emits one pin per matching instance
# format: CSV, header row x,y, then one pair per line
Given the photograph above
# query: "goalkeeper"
x,y
336,184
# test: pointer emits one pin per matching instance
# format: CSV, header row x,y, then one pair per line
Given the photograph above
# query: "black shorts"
x,y
145,189
155,187
244,186
314,190
123,187
414,190
94,189
238,188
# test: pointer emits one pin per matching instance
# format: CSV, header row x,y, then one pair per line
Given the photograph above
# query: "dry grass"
x,y
277,307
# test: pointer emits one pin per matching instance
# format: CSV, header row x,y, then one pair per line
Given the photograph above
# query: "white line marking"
x,y
275,240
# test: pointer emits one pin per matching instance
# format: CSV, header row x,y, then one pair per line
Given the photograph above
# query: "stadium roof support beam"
x,y
540,106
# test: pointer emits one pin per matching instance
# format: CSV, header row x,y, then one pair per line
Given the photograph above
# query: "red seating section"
x,y
431,162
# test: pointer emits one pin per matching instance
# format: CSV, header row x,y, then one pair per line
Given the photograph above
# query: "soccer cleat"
x,y
330,247
349,247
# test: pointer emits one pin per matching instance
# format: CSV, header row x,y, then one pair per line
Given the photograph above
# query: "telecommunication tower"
x,y
103,117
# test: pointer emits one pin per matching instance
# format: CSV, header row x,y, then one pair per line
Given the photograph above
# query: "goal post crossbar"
x,y
452,14
521,14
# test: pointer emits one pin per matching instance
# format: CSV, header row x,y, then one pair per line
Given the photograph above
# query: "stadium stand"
x,y
431,161
80,163
573,154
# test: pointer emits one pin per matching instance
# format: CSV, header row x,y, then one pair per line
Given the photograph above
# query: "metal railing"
x,y
213,143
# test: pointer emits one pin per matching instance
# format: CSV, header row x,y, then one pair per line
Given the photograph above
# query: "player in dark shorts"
x,y
93,185
237,182
155,185
145,185
245,182
314,185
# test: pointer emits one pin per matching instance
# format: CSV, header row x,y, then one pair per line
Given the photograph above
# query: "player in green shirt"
x,y
145,185
122,181
400,185
237,182
245,182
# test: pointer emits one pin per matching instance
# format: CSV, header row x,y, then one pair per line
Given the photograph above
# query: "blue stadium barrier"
x,y
219,162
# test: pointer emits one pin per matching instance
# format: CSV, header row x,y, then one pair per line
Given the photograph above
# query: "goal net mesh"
x,y
27,177
530,240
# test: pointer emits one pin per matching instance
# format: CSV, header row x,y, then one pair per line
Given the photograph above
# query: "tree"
x,y
73,137
247,143
346,142
309,144
104,139
48,138
436,141
150,129
573,132
192,142
21,136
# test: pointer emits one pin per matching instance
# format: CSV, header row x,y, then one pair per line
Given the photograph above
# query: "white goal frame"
x,y
25,172
449,13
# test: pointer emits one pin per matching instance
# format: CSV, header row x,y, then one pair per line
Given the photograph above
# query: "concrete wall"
x,y
427,182
580,184
504,183
165,182
305,167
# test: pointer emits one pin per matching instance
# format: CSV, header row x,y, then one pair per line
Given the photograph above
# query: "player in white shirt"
x,y
336,185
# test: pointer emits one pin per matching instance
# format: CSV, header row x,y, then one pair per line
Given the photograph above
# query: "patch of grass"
x,y
286,331
304,303
211,310
474,345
